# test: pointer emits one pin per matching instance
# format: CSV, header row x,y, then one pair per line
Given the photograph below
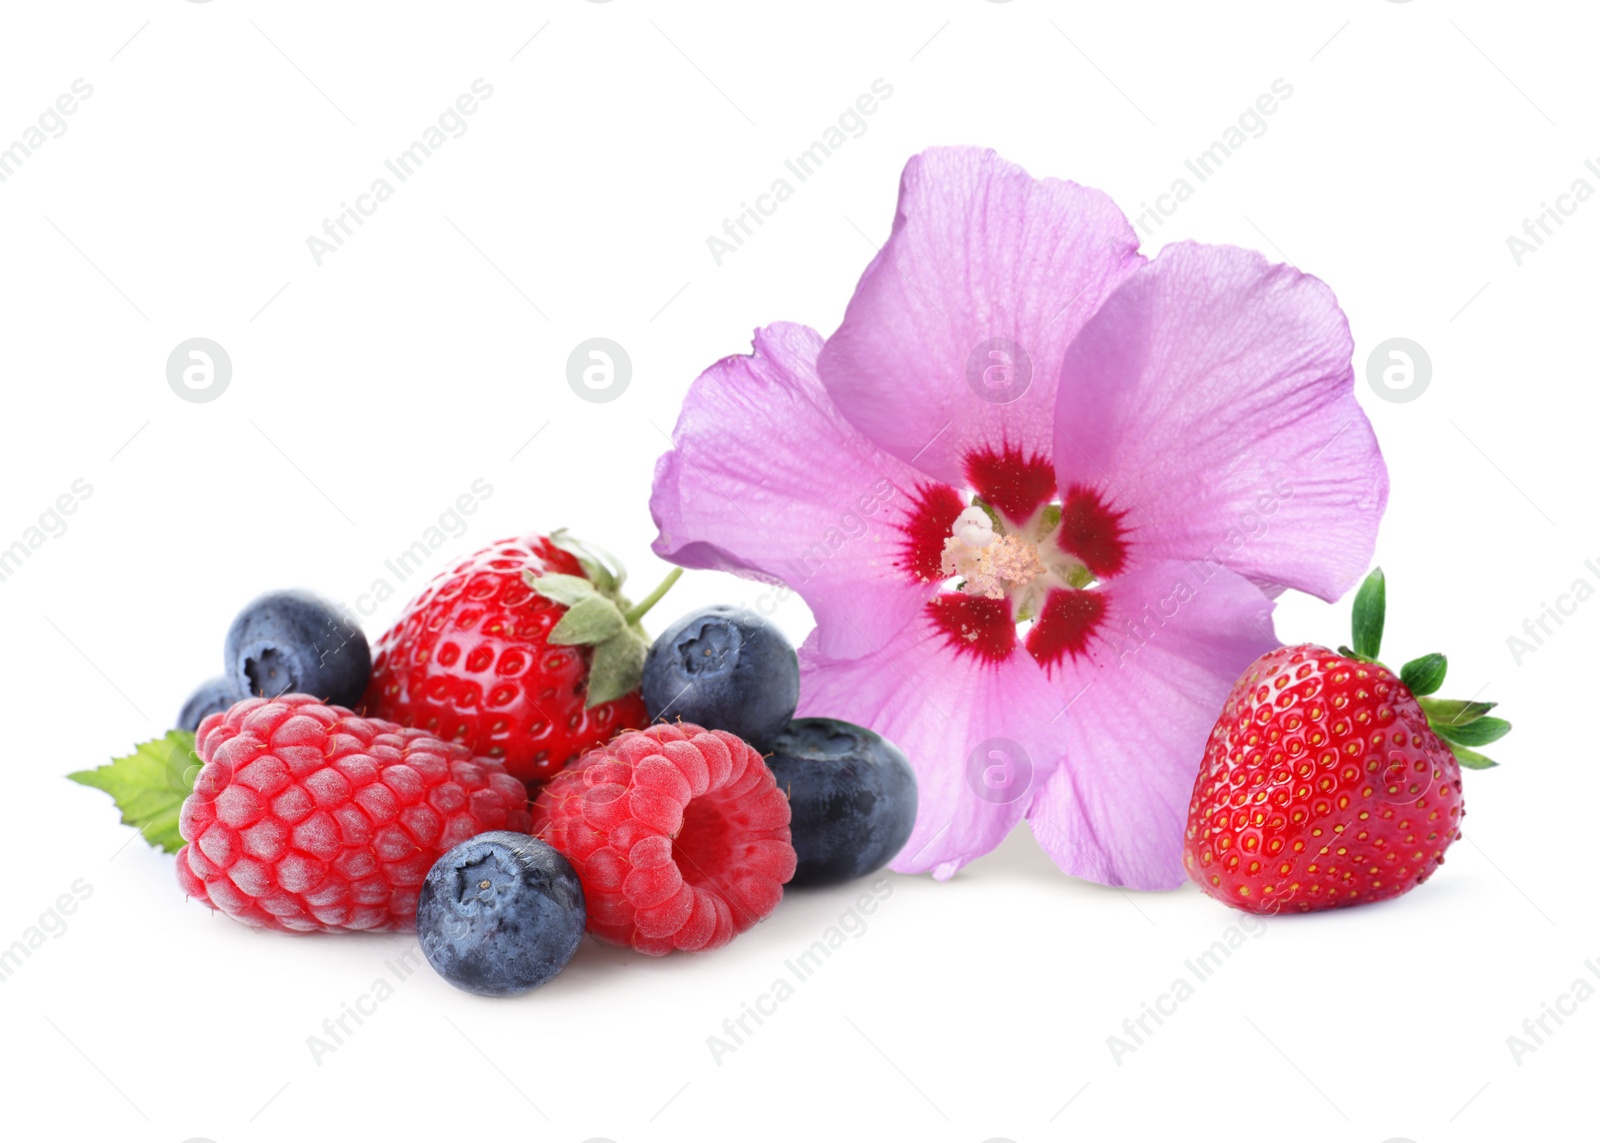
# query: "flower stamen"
x,y
989,564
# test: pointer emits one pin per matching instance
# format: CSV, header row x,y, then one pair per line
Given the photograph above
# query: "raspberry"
x,y
679,835
306,817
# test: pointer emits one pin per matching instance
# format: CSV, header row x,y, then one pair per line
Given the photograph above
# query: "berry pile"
x,y
516,762
520,764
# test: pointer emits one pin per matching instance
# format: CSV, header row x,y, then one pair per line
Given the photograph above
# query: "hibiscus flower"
x,y
1039,493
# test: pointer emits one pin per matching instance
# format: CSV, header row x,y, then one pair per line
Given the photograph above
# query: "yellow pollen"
x,y
1005,563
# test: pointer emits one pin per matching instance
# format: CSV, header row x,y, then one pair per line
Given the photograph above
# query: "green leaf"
x,y
1478,732
589,621
567,589
1471,759
1367,617
1453,712
617,666
1425,675
603,569
149,785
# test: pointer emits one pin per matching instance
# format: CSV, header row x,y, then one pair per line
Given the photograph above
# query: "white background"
x,y
369,392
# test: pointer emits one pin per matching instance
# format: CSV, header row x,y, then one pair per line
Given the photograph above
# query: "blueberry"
x,y
725,668
209,697
499,914
296,642
852,798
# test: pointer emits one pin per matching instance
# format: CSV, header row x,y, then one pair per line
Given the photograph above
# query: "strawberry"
x,y
1329,780
526,652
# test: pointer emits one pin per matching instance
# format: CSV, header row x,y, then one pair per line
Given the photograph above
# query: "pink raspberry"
x,y
306,817
679,835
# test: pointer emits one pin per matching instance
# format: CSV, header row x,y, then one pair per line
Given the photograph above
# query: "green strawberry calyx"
x,y
599,616
1462,725
149,785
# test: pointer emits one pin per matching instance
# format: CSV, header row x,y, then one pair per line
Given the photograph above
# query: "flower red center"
x,y
926,525
1010,558
1092,531
1014,484
1065,625
978,626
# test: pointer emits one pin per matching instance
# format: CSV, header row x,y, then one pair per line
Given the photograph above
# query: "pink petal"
x,y
767,480
980,253
978,732
1211,400
1143,701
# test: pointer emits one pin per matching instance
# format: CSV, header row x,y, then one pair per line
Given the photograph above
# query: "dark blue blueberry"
x,y
500,913
725,668
209,697
852,798
295,642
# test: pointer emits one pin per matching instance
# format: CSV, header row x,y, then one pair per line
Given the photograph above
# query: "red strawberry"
x,y
307,817
531,677
1330,781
